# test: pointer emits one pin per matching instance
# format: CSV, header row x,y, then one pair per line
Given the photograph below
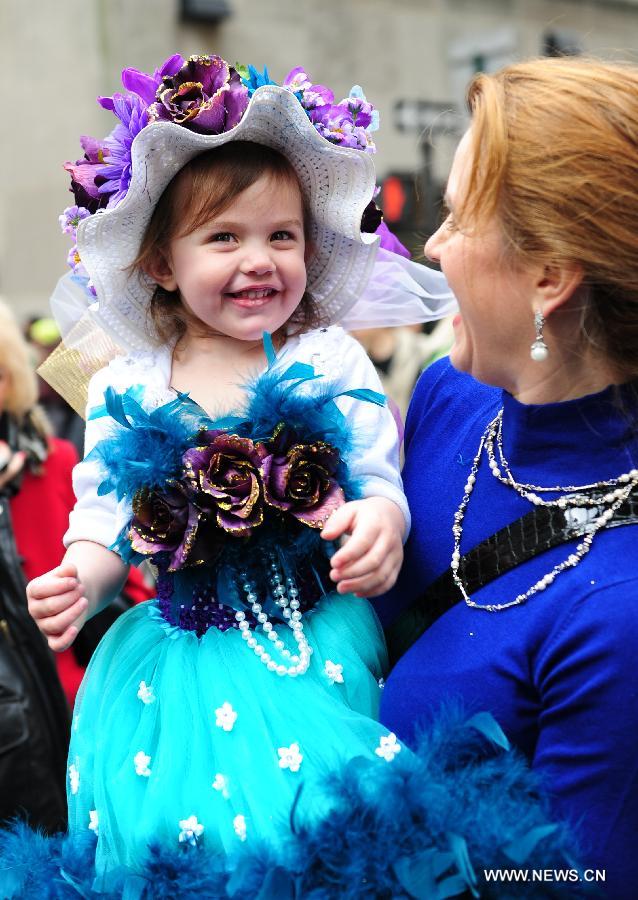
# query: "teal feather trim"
x,y
425,825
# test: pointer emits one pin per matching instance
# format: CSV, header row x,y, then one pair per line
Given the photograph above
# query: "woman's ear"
x,y
555,286
159,269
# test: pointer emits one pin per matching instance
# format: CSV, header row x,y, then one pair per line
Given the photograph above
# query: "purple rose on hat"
x,y
299,479
205,95
223,473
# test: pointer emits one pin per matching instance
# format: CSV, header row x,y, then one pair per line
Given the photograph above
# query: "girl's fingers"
x,y
47,586
357,545
369,562
43,609
55,625
63,641
341,521
368,586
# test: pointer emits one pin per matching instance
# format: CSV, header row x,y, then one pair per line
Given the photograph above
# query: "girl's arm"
x,y
89,577
369,562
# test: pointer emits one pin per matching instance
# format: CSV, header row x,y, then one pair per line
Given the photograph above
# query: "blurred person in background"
x,y
35,495
43,336
41,496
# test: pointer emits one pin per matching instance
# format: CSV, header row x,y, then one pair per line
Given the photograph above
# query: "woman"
x,y
33,711
540,247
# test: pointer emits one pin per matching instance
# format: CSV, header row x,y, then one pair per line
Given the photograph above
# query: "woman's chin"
x,y
460,357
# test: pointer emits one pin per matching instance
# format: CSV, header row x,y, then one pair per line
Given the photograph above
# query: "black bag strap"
x,y
534,533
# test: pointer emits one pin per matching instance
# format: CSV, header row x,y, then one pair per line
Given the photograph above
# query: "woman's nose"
x,y
432,245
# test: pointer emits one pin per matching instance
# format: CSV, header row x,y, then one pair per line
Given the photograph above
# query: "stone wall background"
x,y
58,56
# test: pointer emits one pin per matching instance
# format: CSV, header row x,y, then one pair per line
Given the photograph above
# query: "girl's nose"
x,y
257,261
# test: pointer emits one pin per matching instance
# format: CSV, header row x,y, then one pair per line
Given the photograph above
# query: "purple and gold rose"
x,y
224,473
166,521
205,95
299,479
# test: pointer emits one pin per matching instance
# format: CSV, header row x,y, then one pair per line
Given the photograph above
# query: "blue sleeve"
x,y
586,749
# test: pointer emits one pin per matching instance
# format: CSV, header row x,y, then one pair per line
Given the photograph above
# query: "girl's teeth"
x,y
254,295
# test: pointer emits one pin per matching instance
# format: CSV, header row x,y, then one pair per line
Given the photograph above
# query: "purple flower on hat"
x,y
205,95
299,478
115,171
71,218
223,473
84,173
297,80
345,134
145,86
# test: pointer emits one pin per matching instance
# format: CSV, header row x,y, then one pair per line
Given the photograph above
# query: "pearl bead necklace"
x,y
286,598
617,490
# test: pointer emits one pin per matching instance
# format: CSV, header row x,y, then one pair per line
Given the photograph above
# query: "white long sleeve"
x,y
375,460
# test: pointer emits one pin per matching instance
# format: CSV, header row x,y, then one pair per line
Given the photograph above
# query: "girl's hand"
x,y
57,603
369,561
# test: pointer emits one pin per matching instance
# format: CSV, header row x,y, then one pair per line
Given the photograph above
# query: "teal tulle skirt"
x,y
180,739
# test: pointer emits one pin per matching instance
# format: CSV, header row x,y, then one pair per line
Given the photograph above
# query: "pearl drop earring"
x,y
538,351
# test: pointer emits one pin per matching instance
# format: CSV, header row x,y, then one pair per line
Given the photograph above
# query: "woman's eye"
x,y
447,218
282,236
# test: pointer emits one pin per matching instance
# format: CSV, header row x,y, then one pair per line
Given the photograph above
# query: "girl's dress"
x,y
190,727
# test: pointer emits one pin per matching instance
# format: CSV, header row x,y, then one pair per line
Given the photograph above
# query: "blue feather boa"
x,y
427,825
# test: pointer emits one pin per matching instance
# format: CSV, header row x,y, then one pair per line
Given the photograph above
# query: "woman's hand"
x,y
57,603
369,561
11,464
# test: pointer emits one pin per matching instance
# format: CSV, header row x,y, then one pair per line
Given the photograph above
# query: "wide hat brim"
x,y
338,182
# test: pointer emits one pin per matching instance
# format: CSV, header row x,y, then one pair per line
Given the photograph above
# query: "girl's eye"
x,y
281,236
223,237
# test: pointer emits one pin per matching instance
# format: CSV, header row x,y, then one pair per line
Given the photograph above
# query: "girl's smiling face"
x,y
243,273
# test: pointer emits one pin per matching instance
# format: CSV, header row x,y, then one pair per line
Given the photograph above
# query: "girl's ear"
x,y
159,269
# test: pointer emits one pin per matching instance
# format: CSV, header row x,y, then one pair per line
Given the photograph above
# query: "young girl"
x,y
240,438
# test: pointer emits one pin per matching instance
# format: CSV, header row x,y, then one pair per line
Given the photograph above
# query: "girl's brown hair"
x,y
202,189
555,159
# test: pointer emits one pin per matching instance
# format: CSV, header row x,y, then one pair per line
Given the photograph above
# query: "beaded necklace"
x,y
609,495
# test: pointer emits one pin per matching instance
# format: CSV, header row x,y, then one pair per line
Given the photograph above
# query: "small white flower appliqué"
x,y
146,693
239,824
388,747
74,777
334,672
290,757
190,831
225,716
221,784
93,821
141,761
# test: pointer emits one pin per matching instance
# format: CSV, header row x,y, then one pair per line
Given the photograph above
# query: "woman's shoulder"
x,y
443,398
443,384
